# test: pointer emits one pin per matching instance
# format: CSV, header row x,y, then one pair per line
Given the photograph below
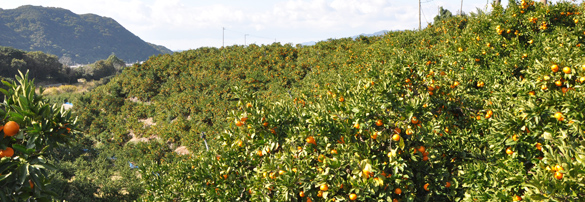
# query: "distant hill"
x,y
80,38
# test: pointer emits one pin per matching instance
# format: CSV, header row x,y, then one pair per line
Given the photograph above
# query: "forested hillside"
x,y
481,107
81,39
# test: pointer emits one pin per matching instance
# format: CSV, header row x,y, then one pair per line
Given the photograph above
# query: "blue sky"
x,y
190,24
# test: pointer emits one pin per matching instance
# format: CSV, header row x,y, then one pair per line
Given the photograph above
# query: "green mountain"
x,y
82,38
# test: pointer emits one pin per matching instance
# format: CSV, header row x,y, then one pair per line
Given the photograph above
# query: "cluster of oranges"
x,y
10,129
557,170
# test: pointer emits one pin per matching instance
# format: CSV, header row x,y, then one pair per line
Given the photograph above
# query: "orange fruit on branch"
x,y
567,70
379,122
11,128
352,197
558,175
398,191
554,68
311,140
559,116
324,187
8,152
509,151
396,137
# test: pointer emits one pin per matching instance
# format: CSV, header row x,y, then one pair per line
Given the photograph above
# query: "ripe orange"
x,y
509,151
515,137
333,151
448,184
414,120
582,79
558,175
272,175
379,122
249,105
559,167
489,114
367,173
425,158
320,194
240,143
559,116
539,146
480,84
8,152
309,200
567,70
398,191
426,187
281,172
32,185
352,197
397,130
11,128
516,198
341,99
374,136
554,68
311,140
324,187
558,83
302,194
259,153
265,124
409,131
356,125
407,80
239,123
422,149
294,170
396,137
531,93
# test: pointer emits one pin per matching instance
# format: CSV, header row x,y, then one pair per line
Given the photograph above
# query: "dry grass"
x,y
76,88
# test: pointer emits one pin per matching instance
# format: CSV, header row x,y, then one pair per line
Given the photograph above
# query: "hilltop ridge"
x,y
82,38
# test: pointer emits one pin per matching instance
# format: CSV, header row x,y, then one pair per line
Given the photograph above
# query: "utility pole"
x,y
461,10
419,15
223,37
245,40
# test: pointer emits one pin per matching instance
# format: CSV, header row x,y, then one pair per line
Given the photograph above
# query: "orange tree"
x,y
478,107
30,127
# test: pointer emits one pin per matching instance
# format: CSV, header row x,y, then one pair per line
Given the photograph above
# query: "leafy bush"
x,y
31,127
480,107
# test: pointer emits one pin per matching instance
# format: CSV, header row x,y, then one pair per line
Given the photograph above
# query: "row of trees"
x,y
46,68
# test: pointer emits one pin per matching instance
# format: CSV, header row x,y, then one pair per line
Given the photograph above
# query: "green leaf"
x,y
537,197
20,148
23,173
